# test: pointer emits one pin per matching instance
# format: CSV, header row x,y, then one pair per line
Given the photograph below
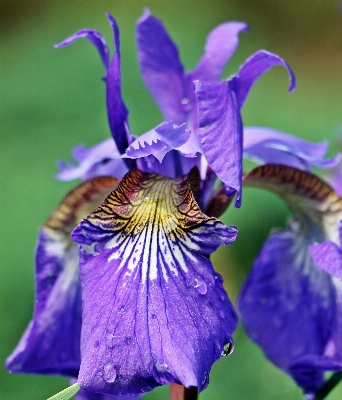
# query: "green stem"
x,y
329,385
67,393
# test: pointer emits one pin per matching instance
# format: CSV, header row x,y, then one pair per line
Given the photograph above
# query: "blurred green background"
x,y
54,99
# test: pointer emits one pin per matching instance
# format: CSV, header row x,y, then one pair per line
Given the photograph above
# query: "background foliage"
x,y
53,99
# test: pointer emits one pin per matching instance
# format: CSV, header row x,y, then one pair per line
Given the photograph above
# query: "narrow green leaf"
x,y
329,385
67,393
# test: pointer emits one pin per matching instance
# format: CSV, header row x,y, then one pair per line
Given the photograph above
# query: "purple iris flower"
x,y
291,303
154,311
204,126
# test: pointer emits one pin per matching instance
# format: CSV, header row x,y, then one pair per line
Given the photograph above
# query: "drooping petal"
x,y
251,70
51,343
116,108
221,132
95,38
287,305
101,159
290,307
86,395
267,146
155,311
158,141
161,68
221,45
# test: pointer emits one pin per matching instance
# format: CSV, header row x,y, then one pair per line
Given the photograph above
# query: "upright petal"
x,y
267,146
251,70
116,108
95,38
221,132
51,343
154,310
161,68
221,45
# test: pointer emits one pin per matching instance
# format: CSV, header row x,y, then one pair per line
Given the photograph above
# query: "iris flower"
x,y
291,303
154,311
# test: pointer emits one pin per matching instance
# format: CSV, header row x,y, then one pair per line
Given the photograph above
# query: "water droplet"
x,y
228,348
110,340
97,343
205,379
128,340
184,100
201,286
109,373
161,366
146,197
153,316
222,315
121,309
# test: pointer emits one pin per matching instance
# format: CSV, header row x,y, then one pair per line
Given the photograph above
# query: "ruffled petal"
x,y
267,146
116,108
221,132
51,343
158,141
161,68
154,310
95,38
101,159
251,70
287,305
220,46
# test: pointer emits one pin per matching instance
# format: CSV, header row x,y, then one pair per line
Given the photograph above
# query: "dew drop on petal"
x,y
221,314
205,378
228,348
184,101
161,366
154,316
121,309
110,341
201,286
109,373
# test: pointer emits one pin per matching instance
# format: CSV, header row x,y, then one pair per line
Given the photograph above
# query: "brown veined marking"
x,y
79,202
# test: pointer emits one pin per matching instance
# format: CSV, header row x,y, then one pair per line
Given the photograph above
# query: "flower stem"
x,y
179,392
329,385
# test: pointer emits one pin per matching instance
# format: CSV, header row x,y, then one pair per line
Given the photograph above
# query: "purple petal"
x,y
221,45
51,343
116,108
287,305
154,310
251,70
328,257
95,38
86,395
158,141
101,159
161,68
265,145
174,164
221,132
